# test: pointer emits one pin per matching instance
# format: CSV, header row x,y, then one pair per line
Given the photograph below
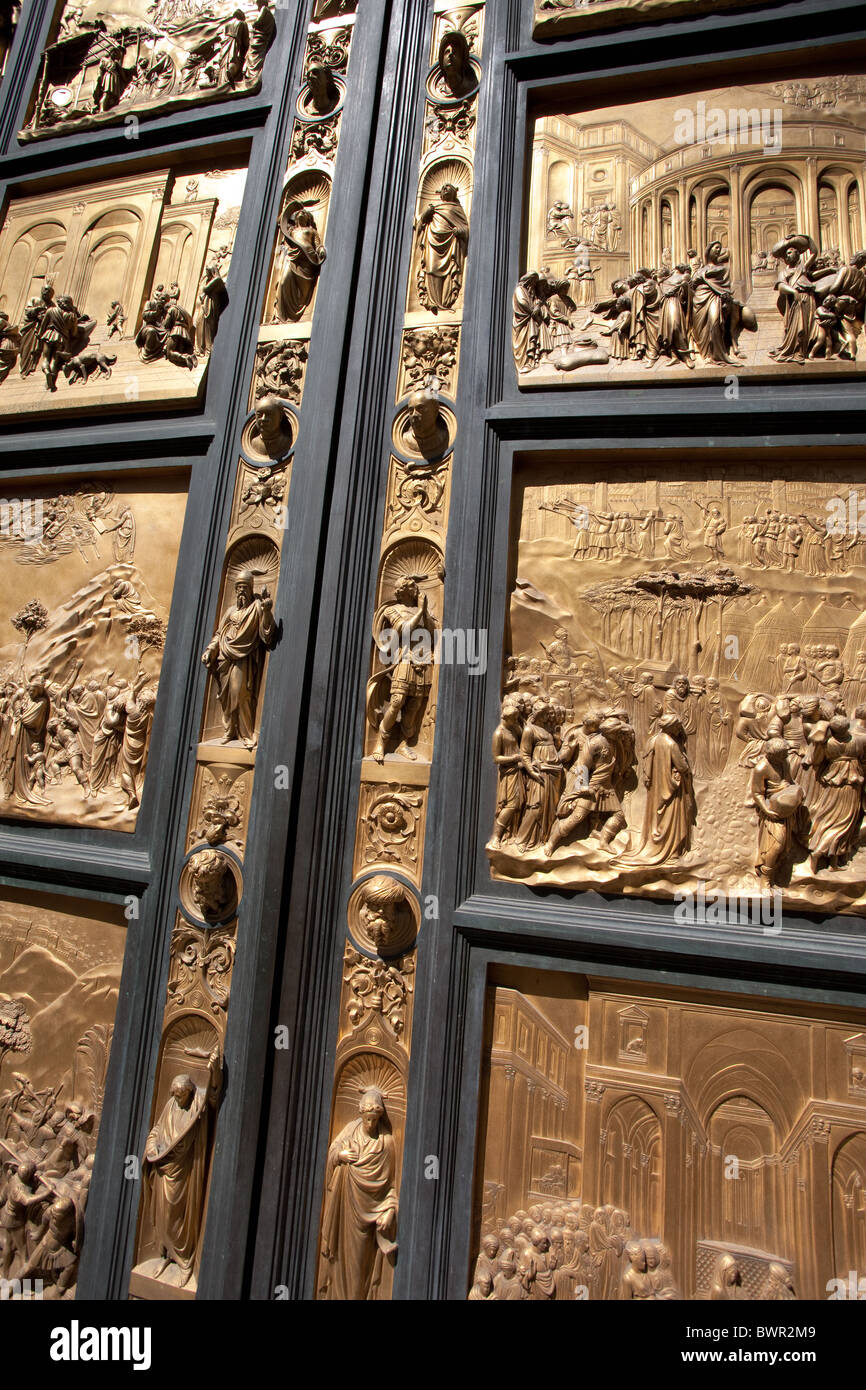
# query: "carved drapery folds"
x,y
102,69
683,710
89,577
359,1245
400,708
113,292
188,1088
661,245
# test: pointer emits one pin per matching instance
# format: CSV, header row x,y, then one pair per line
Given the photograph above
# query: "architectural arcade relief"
x,y
697,236
88,576
60,964
111,294
684,700
146,56
645,1145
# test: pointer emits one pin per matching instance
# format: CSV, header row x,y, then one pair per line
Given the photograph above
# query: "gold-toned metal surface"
x,y
145,57
555,18
189,1078
358,1241
89,570
683,703
60,964
112,292
647,1144
704,236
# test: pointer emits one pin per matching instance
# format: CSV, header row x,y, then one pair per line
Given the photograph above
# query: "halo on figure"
x,y
415,559
256,556
366,1071
454,171
310,191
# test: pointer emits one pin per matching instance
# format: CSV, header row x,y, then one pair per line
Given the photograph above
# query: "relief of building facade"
x,y
719,1159
697,234
111,293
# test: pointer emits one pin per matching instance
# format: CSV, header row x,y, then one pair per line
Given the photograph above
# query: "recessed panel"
x,y
89,566
709,234
691,1147
684,694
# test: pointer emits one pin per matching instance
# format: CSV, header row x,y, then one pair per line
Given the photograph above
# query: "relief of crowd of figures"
x,y
606,1170
572,1251
87,618
655,242
97,280
54,336
153,55
702,714
59,979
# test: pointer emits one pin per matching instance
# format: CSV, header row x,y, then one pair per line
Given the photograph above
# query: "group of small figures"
x,y
598,226
689,311
95,731
814,545
169,331
771,539
228,53
55,334
561,779
570,685
46,1163
568,1250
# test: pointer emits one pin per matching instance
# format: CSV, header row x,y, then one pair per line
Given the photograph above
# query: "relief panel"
x,y
89,572
60,964
684,707
730,1170
696,237
111,293
146,57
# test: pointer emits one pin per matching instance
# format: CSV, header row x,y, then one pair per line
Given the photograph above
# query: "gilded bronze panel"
x,y
703,236
642,1143
684,704
89,571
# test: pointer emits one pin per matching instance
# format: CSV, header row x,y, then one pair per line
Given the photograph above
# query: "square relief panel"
x,y
697,236
111,293
684,692
727,1162
60,966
